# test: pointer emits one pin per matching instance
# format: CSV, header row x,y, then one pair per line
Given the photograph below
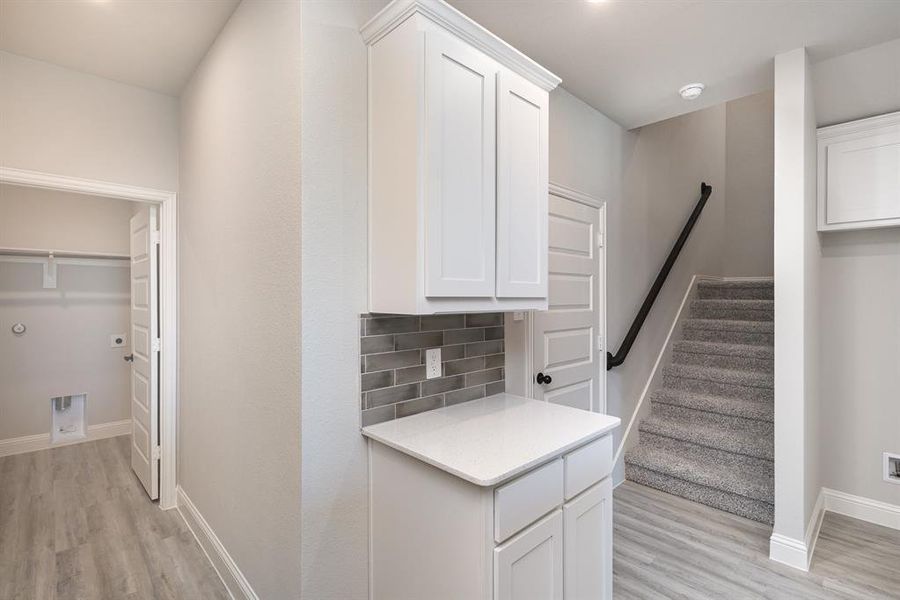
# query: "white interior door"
x,y
460,206
145,349
567,337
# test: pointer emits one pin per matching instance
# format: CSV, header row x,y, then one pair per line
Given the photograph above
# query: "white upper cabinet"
x,y
458,161
460,188
522,125
859,174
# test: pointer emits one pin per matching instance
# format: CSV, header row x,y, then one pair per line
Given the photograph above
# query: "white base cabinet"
x,y
434,535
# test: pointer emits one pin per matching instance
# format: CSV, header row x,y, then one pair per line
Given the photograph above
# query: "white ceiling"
x,y
628,58
152,44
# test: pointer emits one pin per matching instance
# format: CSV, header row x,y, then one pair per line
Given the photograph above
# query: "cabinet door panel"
x,y
530,566
522,125
588,544
460,196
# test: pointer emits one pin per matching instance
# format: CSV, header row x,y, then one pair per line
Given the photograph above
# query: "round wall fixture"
x,y
691,91
18,329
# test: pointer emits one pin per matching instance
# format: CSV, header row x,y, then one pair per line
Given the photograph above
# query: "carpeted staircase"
x,y
710,434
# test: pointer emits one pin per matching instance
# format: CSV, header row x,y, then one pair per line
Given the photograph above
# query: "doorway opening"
x,y
88,319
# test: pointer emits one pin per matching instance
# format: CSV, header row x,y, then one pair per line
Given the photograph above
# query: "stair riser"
x,y
756,510
723,361
737,464
729,293
729,337
731,314
755,411
715,388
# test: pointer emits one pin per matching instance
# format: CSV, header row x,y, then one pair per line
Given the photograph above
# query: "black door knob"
x,y
543,379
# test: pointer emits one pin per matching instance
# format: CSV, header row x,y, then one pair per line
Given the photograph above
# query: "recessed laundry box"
x,y
67,417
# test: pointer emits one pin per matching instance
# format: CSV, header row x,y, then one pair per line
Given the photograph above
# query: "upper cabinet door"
x,y
522,157
460,181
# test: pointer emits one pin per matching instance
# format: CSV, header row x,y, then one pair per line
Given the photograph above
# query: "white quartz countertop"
x,y
492,439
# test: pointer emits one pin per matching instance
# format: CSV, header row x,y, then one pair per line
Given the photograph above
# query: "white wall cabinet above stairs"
x,y
458,165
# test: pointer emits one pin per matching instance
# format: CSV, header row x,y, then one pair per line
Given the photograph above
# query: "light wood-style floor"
x,y
668,547
75,523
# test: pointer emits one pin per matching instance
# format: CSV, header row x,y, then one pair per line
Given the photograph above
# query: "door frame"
x,y
168,291
581,198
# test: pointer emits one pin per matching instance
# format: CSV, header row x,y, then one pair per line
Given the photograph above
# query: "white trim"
x,y
78,185
463,27
166,200
788,551
798,553
864,509
571,194
857,126
41,441
227,570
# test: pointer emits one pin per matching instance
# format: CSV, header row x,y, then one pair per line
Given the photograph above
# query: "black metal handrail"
x,y
619,357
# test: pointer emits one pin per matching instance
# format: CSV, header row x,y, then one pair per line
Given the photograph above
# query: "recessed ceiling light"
x,y
691,91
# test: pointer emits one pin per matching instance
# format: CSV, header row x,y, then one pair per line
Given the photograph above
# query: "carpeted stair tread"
x,y
725,349
741,436
736,407
735,473
756,510
710,433
754,379
749,310
762,290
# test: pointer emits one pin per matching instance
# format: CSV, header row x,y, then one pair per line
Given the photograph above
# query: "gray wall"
x,y
859,286
56,120
239,246
335,479
66,347
749,183
860,84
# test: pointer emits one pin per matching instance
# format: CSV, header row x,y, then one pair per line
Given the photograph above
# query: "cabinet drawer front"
x,y
526,499
588,465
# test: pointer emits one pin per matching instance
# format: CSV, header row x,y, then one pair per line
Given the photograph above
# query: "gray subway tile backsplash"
x,y
392,365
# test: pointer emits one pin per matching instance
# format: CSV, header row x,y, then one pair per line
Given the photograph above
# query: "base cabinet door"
x,y
587,521
530,565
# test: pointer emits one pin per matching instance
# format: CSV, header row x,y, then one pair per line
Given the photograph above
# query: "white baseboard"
x,y
864,509
41,441
228,571
798,553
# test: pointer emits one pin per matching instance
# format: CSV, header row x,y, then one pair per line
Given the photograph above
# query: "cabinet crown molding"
x,y
465,28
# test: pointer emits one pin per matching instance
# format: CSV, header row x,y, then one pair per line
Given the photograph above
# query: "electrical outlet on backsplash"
x,y
392,362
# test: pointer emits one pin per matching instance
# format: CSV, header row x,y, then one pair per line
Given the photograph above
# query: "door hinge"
x,y
600,343
599,239
154,237
155,455
155,345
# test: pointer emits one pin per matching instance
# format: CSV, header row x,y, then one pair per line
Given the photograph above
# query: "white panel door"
x,y
460,195
566,336
145,350
522,125
588,534
530,566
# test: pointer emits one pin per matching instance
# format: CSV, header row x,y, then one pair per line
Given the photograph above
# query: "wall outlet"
x,y
117,340
432,363
518,316
892,468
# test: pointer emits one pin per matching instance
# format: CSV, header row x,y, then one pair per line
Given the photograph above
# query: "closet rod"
x,y
34,253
